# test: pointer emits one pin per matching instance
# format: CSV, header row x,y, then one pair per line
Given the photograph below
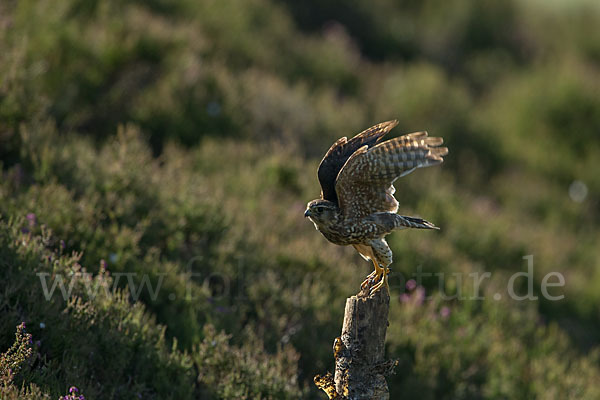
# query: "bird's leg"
x,y
382,282
375,275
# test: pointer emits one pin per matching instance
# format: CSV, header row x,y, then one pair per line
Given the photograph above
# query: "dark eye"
x,y
320,209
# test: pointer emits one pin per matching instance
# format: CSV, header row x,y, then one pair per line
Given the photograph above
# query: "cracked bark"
x,y
360,365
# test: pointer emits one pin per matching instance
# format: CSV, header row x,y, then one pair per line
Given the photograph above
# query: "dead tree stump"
x,y
359,352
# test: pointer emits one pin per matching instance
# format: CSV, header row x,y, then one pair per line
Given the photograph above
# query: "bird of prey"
x,y
357,205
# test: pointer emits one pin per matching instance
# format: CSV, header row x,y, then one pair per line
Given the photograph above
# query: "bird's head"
x,y
322,212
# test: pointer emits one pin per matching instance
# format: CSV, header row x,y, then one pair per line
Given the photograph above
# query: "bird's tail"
x,y
403,221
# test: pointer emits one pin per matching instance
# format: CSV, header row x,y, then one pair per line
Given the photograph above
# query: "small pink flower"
x,y
420,295
411,284
32,219
445,312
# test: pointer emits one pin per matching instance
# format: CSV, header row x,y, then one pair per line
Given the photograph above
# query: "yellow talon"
x,y
382,282
376,275
368,279
379,275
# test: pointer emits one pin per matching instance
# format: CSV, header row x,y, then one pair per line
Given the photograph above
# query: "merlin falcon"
x,y
357,205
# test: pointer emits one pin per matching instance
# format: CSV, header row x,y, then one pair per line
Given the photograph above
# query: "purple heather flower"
x,y
411,284
73,389
420,294
445,312
62,244
32,219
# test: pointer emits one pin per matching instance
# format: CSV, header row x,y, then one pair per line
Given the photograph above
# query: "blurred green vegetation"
x,y
179,140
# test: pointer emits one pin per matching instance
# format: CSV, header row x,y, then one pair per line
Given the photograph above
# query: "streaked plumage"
x,y
357,205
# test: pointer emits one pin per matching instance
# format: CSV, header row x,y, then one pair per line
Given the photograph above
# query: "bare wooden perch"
x,y
360,367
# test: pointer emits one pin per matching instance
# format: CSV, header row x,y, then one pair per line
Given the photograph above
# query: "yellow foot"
x,y
370,278
382,282
374,276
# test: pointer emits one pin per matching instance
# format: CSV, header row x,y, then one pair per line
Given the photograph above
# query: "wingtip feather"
x,y
434,141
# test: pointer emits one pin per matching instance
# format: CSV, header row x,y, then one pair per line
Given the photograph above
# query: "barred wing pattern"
x,y
341,150
365,183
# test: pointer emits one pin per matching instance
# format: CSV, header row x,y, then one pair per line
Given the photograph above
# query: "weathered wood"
x,y
360,366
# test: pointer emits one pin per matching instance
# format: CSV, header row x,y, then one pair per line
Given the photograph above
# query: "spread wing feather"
x,y
341,150
364,184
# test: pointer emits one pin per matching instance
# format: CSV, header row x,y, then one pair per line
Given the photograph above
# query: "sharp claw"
x,y
379,275
369,279
382,282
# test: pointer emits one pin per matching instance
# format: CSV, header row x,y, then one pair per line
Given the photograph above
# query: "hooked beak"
x,y
307,213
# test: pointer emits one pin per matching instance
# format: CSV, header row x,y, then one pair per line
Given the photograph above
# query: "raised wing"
x,y
364,184
341,150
